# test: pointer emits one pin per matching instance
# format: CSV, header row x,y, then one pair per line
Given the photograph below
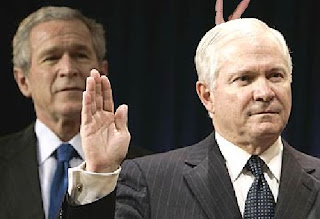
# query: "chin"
x,y
71,109
267,130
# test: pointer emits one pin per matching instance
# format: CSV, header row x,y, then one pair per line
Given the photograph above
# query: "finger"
x,y
86,113
219,12
242,6
98,93
121,118
91,90
108,104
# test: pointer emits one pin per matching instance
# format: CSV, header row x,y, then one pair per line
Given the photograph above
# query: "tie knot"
x,y
65,152
255,165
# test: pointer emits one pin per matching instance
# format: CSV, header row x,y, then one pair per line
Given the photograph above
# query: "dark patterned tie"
x,y
260,201
59,186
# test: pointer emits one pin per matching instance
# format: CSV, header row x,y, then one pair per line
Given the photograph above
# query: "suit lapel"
x,y
210,182
297,191
24,176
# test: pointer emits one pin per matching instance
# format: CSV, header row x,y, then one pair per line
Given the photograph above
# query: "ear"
x,y
22,81
104,67
205,96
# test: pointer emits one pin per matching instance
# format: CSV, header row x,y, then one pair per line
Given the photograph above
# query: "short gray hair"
x,y
21,43
207,53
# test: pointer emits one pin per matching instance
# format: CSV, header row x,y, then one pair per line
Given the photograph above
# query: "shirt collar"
x,y
48,142
236,158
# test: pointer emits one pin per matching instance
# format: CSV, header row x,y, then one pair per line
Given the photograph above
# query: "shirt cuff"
x,y
85,187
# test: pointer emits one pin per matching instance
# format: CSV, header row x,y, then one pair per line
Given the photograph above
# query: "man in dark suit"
x,y
244,169
54,50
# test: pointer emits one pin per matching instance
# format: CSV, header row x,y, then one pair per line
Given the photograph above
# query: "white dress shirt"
x,y
48,142
236,159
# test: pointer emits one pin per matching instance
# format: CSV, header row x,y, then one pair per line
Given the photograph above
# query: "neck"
x,y
64,128
253,145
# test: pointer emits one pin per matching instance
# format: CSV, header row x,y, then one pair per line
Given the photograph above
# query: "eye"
x,y
276,76
52,57
82,55
242,80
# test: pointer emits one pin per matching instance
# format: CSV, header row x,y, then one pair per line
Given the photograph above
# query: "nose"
x,y
262,90
67,67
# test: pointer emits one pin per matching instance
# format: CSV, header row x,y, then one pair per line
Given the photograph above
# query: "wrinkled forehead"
x,y
252,50
244,43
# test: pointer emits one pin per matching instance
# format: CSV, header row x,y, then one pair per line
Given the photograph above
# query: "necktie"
x,y
59,185
260,202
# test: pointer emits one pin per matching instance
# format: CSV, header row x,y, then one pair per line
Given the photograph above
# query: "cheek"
x,y
40,92
232,104
40,86
285,97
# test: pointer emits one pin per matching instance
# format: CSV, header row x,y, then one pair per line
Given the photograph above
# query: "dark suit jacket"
x,y
193,182
20,195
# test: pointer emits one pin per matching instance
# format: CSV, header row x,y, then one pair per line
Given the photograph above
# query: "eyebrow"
x,y
76,47
281,69
278,69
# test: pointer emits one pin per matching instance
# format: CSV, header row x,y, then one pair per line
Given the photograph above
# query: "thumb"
x,y
121,117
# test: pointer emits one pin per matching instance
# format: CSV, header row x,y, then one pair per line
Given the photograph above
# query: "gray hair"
x,y
21,43
207,53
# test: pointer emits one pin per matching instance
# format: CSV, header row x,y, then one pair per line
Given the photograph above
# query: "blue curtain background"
x,y
151,45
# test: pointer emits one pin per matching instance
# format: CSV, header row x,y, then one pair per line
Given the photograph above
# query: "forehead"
x,y
252,53
59,33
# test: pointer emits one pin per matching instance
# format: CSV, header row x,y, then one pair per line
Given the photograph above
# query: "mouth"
x,y
71,89
267,112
